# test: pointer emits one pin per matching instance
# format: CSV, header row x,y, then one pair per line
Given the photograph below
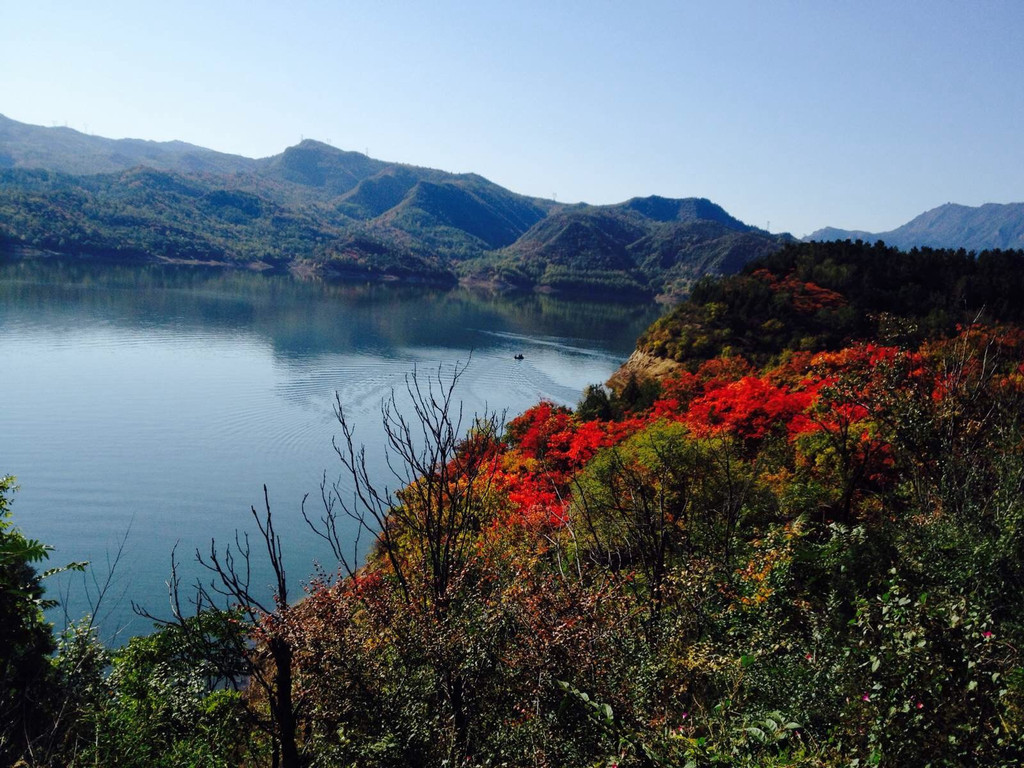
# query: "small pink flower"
x,y
920,705
684,715
865,697
809,657
986,634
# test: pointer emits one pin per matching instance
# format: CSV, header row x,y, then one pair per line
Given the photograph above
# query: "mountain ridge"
x,y
975,228
320,210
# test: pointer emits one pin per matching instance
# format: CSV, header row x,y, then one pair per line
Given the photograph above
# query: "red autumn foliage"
x,y
540,431
839,395
722,370
805,297
749,408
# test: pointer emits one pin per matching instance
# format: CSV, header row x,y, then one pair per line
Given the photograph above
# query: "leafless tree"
x,y
245,646
424,524
439,474
423,527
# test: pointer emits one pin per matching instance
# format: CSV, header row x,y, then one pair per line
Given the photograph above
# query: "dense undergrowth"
x,y
807,558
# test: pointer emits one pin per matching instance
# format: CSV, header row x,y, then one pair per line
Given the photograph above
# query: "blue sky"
x,y
805,114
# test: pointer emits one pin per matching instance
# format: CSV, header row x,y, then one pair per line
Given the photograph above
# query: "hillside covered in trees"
x,y
817,296
800,546
317,209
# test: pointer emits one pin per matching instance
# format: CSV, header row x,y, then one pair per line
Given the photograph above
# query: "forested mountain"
x,y
315,208
643,245
991,225
69,151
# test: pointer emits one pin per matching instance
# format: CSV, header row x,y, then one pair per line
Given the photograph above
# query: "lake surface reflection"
x,y
157,401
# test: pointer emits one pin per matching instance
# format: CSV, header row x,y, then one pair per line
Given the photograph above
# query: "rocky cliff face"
x,y
643,366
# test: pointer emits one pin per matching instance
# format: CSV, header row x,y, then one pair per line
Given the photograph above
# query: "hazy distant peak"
x,y
951,225
313,145
827,234
69,151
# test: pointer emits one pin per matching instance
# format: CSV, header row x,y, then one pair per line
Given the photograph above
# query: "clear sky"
x,y
805,114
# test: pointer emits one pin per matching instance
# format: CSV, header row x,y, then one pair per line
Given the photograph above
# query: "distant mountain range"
x,y
317,209
982,228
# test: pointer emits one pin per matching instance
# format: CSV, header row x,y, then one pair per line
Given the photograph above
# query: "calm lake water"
x,y
153,403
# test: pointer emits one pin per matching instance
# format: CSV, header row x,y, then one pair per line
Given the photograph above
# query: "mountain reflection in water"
x,y
159,400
